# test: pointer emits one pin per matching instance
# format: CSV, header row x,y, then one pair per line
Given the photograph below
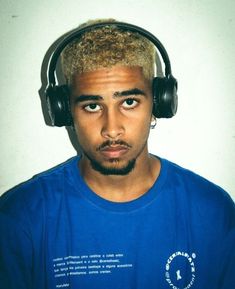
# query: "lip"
x,y
114,152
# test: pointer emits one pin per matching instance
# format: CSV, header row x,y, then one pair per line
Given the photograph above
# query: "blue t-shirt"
x,y
56,233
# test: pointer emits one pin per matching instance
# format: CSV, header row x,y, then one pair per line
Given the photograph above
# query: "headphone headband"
x,y
76,33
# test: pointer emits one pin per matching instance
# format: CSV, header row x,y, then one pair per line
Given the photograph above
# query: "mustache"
x,y
110,143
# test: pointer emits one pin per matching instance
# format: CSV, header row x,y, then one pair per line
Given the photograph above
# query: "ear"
x,y
153,122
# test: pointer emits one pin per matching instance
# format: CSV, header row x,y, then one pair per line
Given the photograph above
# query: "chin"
x,y
115,167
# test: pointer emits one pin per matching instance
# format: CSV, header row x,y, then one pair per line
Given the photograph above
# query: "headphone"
x,y
164,89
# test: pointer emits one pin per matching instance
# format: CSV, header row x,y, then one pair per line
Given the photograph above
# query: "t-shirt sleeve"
x,y
15,254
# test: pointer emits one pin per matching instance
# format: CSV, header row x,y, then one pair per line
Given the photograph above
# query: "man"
x,y
116,216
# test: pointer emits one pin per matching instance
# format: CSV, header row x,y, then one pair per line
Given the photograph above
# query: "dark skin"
x,y
112,112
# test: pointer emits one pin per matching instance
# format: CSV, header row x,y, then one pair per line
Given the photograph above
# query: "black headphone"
x,y
165,98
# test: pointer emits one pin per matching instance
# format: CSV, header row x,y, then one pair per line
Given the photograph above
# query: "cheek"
x,y
87,132
139,128
142,117
82,124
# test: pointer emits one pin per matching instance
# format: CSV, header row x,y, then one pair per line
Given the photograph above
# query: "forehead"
x,y
113,78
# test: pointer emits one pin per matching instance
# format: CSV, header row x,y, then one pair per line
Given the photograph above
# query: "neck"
x,y
122,188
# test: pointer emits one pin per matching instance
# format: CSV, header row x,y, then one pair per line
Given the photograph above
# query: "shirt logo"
x,y
180,271
178,275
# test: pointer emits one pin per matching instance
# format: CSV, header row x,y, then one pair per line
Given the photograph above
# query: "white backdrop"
x,y
199,37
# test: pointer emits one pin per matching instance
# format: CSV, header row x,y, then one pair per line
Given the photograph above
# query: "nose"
x,y
112,126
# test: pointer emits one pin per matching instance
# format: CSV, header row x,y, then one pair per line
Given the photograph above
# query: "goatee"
x,y
104,170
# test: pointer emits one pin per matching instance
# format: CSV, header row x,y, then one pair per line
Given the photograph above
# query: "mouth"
x,y
114,150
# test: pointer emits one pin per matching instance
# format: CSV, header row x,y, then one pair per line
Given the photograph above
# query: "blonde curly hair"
x,y
105,47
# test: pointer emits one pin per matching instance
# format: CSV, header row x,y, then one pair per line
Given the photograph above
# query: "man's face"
x,y
112,109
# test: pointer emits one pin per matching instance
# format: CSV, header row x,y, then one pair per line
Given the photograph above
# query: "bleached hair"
x,y
105,47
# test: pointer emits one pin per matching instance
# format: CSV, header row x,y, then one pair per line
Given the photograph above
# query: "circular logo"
x,y
180,270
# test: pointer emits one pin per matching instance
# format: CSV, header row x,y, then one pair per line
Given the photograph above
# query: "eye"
x,y
130,103
92,107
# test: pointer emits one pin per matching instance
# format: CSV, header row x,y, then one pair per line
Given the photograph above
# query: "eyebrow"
x,y
133,91
87,97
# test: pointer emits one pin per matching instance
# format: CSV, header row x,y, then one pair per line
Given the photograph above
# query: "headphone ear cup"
x,y
165,99
58,105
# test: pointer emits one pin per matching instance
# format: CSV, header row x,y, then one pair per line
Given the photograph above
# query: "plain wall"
x,y
199,37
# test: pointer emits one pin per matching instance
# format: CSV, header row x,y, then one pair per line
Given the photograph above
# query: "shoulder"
x,y
29,194
192,181
204,198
